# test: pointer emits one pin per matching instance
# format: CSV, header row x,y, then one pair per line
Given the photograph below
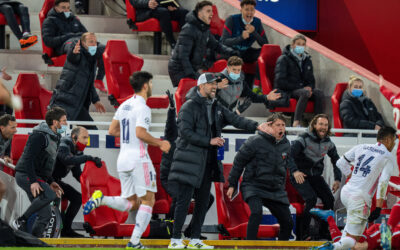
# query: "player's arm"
x,y
144,136
114,129
344,163
384,182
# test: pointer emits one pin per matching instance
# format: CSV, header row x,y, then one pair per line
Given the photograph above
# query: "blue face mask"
x,y
357,92
234,76
299,50
67,14
244,21
92,50
62,129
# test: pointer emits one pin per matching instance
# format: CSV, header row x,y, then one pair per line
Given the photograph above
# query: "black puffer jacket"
x,y
359,113
8,1
57,29
288,74
264,161
189,54
194,135
75,88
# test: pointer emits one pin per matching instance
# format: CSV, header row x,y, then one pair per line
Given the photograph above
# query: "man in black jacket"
x,y
61,28
146,9
69,158
294,75
189,57
11,7
75,90
308,151
35,167
264,158
195,165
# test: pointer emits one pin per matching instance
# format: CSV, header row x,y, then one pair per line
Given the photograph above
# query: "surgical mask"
x,y
67,14
80,146
357,92
92,50
62,129
244,21
234,76
299,50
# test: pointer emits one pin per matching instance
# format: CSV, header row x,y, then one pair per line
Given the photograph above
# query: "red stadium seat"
x,y
104,220
35,98
184,86
149,25
234,215
335,99
217,24
294,197
266,65
218,66
17,148
3,23
119,65
48,54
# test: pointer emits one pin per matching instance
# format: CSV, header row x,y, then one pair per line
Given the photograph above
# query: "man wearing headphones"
x,y
69,158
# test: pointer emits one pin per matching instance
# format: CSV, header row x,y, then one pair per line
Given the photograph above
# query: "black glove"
x,y
96,160
242,106
171,99
374,214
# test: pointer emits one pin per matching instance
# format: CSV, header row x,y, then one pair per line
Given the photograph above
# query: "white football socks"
x,y
117,203
344,243
143,217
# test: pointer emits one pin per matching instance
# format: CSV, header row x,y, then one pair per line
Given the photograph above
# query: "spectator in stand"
x,y
10,8
75,89
242,30
263,160
61,28
294,76
146,9
231,87
308,152
35,167
189,57
357,110
69,158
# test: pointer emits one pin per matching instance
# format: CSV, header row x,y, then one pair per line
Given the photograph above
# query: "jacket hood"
x,y
54,13
44,128
192,18
287,52
226,74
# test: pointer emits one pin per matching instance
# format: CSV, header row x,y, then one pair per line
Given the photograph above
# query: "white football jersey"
x,y
131,114
373,166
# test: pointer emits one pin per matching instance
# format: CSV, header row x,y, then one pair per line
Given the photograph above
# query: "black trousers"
x,y
85,116
165,17
9,10
183,194
280,211
313,188
75,202
302,98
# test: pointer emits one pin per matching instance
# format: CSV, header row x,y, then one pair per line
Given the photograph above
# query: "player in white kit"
x,y
373,166
136,172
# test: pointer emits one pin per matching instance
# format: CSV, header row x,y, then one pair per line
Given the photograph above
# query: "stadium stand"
x,y
180,94
335,99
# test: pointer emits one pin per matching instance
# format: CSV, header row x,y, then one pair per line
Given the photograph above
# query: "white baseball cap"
x,y
206,78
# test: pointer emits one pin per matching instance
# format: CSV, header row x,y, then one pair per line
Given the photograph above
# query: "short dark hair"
x,y
201,5
75,132
235,61
5,119
276,116
248,2
138,79
385,132
315,119
54,113
57,2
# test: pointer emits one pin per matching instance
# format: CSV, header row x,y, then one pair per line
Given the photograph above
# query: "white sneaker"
x,y
176,245
198,244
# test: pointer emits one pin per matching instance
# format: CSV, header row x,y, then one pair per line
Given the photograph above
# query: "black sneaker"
x,y
19,224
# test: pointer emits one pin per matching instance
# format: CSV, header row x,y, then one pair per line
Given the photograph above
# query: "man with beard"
x,y
308,152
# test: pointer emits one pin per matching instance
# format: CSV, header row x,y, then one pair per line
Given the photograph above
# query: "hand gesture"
x,y
153,4
272,96
57,189
299,177
171,99
245,34
217,141
165,146
223,83
309,89
77,48
250,28
230,191
172,8
36,189
97,162
99,107
336,186
266,128
377,127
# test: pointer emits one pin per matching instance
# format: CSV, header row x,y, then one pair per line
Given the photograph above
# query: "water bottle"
x,y
220,153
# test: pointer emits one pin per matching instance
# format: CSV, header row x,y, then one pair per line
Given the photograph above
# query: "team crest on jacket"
x,y
284,155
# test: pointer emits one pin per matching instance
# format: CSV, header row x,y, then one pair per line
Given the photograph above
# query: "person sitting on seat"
x,y
232,86
294,75
357,110
61,28
10,8
189,57
242,30
146,9
69,158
